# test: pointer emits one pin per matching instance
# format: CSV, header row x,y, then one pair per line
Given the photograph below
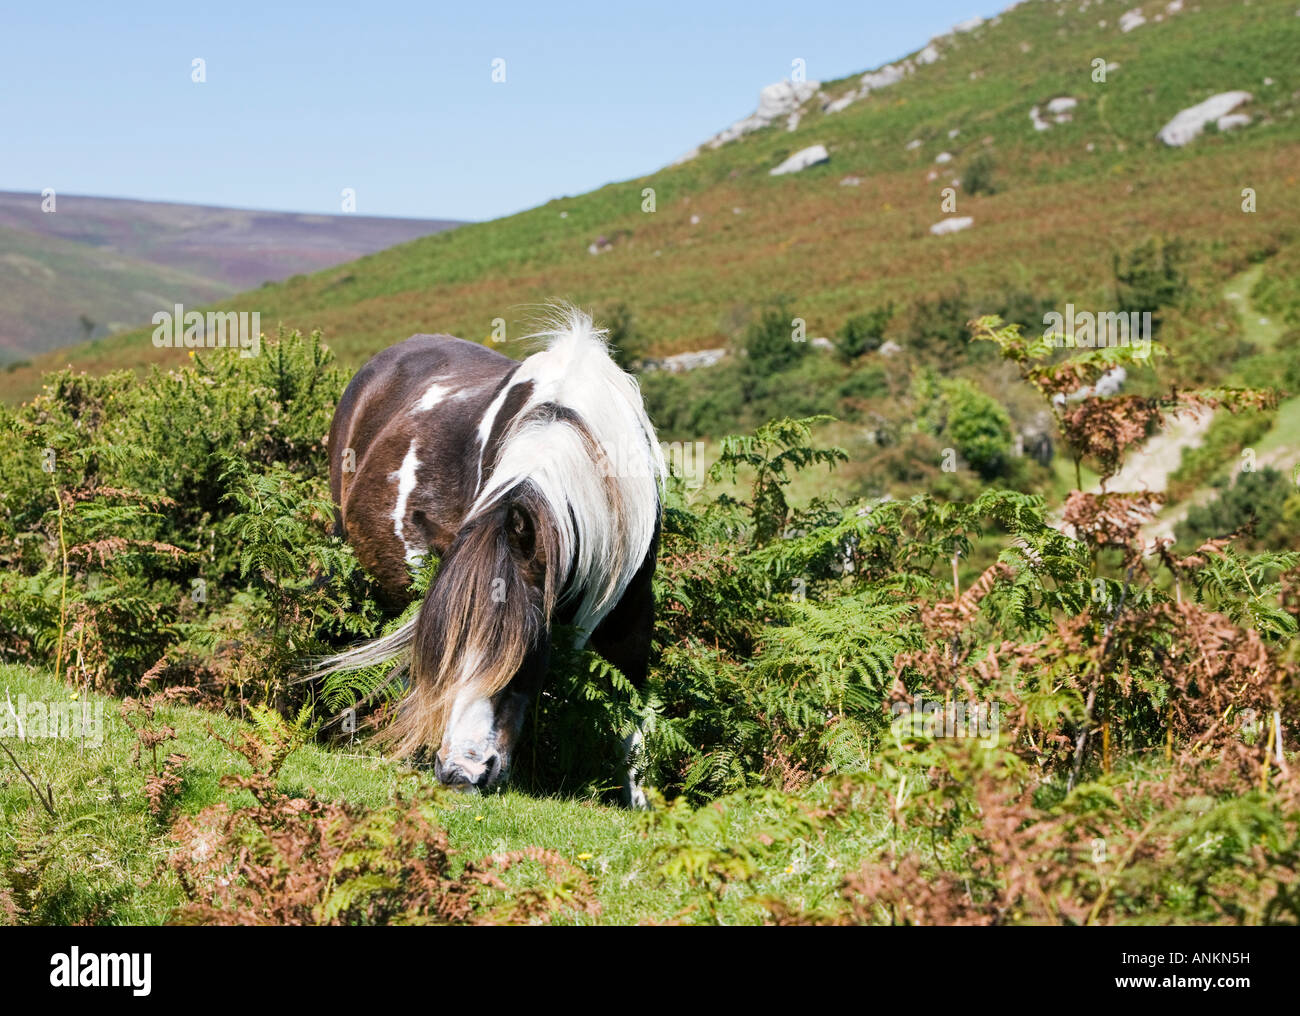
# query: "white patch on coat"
x,y
405,480
434,394
485,427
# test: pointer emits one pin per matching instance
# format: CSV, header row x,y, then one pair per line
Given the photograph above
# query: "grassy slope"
x,y
835,250
1281,445
117,852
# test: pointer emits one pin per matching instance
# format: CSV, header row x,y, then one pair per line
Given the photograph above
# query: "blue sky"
x,y
396,100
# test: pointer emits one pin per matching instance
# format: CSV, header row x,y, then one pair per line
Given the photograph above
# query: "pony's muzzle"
x,y
469,769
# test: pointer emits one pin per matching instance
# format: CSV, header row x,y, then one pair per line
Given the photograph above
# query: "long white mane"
x,y
604,500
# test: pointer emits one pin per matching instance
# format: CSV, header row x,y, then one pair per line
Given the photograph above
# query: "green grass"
x,y
1284,435
116,850
1064,478
111,853
1257,328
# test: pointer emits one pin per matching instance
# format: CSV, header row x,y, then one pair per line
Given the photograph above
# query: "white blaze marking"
x,y
471,734
472,720
405,479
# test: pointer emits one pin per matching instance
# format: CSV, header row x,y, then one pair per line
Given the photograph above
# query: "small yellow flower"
x,y
478,818
75,696
789,869
584,857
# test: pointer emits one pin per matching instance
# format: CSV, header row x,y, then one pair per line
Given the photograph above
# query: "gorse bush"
x,y
981,428
1151,275
769,344
626,344
864,333
938,326
979,175
177,527
978,426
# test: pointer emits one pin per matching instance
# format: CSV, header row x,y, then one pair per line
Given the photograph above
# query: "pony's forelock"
x,y
485,612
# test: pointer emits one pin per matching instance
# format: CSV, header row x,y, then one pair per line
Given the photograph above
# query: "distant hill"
x,y
1071,170
97,265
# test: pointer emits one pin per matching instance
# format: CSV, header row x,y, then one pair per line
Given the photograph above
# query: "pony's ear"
x,y
521,531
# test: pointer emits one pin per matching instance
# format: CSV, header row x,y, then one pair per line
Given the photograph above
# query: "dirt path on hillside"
x,y
1281,459
1148,468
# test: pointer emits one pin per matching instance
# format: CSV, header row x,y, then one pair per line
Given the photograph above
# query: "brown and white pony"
x,y
537,484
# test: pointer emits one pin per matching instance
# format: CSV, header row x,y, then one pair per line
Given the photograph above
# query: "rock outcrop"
x,y
954,224
802,159
778,100
1190,122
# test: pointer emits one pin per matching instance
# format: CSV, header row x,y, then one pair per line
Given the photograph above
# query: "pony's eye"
x,y
522,536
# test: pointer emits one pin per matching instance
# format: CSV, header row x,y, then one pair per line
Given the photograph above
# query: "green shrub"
x,y
1021,307
864,333
627,346
978,176
1226,436
1277,291
769,345
179,525
938,326
976,424
1151,275
708,402
867,381
731,396
980,427
1278,367
806,389
1264,502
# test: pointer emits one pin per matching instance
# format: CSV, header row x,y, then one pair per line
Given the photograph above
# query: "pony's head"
x,y
481,642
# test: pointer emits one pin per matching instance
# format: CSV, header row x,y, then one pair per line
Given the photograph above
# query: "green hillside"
x,y
1066,198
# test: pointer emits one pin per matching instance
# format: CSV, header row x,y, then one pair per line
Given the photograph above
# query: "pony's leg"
x,y
633,745
623,638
